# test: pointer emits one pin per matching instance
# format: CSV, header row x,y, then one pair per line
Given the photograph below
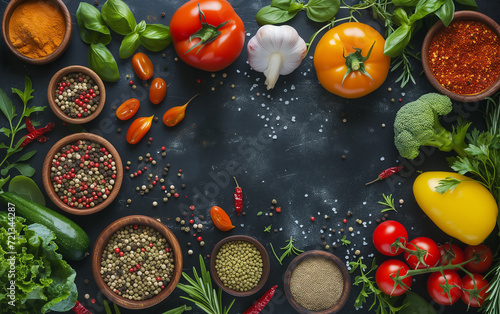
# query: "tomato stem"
x,y
356,62
207,33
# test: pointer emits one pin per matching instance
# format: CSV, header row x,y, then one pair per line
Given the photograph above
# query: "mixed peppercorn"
x,y
77,95
83,174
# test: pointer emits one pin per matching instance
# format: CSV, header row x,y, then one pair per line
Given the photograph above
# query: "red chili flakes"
x,y
465,57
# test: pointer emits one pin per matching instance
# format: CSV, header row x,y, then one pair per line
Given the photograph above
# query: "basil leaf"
x,y
446,11
156,37
6,106
103,63
25,169
91,25
139,28
282,4
400,17
416,305
273,15
405,3
424,8
27,188
470,3
397,41
129,45
118,16
322,10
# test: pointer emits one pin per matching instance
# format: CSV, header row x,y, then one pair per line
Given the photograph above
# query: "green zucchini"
x,y
72,240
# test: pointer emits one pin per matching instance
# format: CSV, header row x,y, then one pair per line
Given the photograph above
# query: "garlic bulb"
x,y
276,50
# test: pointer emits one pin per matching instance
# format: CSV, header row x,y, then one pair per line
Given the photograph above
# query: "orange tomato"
x,y
344,41
128,109
143,66
157,90
221,219
175,115
138,129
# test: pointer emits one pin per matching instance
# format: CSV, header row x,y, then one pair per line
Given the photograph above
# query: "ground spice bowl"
x,y
46,173
329,256
51,93
101,243
460,15
13,4
265,265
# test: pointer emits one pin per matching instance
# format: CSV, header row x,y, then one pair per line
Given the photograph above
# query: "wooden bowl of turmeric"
x,y
37,31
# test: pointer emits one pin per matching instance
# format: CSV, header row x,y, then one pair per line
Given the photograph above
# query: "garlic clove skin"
x,y
276,50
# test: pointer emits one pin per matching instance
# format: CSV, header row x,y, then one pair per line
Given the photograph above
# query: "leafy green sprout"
x,y
388,202
289,249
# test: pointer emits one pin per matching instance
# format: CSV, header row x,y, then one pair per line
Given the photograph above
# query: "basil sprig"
x,y
154,37
118,16
280,11
103,63
91,25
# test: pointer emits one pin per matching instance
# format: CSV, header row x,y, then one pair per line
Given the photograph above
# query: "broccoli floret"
x,y
417,124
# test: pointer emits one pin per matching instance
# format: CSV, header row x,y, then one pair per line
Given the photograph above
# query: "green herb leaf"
x,y
28,90
156,37
450,183
178,310
259,213
322,10
424,8
106,307
117,310
400,17
274,15
16,147
406,3
103,63
129,45
469,3
3,181
397,41
118,16
446,12
6,106
416,304
344,241
29,111
25,169
268,228
91,26
389,202
27,188
5,132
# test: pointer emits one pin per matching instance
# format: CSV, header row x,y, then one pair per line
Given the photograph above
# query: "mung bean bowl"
x,y
240,265
82,173
137,262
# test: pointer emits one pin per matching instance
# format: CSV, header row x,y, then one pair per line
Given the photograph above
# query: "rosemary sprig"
x,y
389,202
289,250
202,293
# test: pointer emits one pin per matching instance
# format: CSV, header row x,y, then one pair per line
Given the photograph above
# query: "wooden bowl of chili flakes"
x,y
462,60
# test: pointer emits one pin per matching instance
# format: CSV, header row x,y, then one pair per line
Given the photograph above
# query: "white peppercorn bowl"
x,y
46,171
265,265
101,243
327,255
51,93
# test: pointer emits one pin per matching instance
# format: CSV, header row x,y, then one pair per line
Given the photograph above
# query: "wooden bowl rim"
x,y
265,265
49,189
57,52
459,15
51,93
317,253
102,241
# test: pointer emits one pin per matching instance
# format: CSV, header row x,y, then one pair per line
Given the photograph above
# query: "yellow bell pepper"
x,y
468,212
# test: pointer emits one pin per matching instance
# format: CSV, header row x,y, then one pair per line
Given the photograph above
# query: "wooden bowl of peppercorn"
x,y
248,265
462,60
82,173
76,94
110,246
37,33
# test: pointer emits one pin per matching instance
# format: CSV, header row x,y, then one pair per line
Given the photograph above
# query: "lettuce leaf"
x,y
43,281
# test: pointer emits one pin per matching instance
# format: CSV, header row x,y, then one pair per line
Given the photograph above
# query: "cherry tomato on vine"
x,y
207,34
388,270
157,90
138,129
128,109
143,66
430,258
451,253
221,219
386,234
483,255
435,284
469,290
349,60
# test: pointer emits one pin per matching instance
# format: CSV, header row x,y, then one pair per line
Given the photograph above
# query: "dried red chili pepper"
x,y
80,309
262,302
238,198
37,133
30,127
386,173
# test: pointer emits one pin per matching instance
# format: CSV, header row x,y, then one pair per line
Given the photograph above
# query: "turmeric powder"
x,y
37,28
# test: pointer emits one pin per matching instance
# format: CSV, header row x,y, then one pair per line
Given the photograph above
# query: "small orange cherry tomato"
x,y
157,90
138,129
175,115
128,109
143,66
221,219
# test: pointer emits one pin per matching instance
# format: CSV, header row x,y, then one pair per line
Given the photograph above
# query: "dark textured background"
x,y
301,167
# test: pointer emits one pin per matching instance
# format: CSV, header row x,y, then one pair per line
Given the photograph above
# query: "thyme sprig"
x,y
289,249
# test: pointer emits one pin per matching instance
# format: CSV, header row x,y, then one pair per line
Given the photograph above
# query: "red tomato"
x,y
478,292
157,90
143,66
435,284
128,109
221,49
483,255
388,270
138,129
430,258
451,254
386,234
